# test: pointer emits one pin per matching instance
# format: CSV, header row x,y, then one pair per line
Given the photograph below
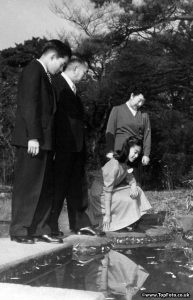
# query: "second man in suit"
x,y
70,147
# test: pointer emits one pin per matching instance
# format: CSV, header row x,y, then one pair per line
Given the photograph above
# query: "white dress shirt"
x,y
42,65
69,81
48,74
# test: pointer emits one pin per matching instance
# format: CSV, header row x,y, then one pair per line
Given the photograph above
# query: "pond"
x,y
156,272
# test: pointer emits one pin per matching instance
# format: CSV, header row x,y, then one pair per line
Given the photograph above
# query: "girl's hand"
x,y
106,222
133,191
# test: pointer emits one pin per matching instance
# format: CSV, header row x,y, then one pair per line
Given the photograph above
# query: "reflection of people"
x,y
126,120
70,147
116,201
33,137
115,274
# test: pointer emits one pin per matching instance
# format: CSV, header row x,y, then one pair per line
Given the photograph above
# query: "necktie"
x,y
49,77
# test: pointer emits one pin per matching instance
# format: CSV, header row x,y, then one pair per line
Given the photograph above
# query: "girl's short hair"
x,y
122,155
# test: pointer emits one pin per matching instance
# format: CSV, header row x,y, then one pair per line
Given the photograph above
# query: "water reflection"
x,y
115,275
126,274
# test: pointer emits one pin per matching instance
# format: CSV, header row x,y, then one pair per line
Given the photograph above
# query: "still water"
x,y
138,273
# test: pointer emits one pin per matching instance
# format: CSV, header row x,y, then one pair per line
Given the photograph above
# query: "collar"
x,y
42,65
133,111
69,81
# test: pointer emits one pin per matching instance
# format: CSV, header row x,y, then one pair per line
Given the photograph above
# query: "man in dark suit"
x,y
33,138
69,172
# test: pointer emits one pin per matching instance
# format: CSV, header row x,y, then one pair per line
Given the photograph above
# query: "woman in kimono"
x,y
116,201
127,120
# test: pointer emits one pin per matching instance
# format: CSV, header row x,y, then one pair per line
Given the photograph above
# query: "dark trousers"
x,y
69,184
32,193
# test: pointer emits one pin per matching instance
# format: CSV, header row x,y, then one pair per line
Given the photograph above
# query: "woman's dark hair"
x,y
122,155
62,48
136,90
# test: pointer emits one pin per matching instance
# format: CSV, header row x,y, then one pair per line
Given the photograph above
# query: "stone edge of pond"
x,y
12,272
21,270
115,240
11,291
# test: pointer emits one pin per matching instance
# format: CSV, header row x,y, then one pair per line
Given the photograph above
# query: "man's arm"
x,y
30,106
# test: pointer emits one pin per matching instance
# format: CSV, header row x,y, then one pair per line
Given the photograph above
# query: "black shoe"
x,y
58,233
135,225
48,239
128,229
87,230
23,239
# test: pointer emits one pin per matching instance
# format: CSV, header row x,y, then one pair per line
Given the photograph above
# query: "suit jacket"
x,y
69,126
35,108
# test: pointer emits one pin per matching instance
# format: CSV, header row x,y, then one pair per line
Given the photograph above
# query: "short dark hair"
x,y
136,90
76,59
122,155
62,48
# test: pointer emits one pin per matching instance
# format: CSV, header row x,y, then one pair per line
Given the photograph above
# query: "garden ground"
x,y
173,207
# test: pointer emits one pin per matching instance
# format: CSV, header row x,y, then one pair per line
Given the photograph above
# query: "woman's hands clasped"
x,y
106,222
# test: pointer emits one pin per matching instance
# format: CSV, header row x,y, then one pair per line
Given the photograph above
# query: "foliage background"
x,y
127,43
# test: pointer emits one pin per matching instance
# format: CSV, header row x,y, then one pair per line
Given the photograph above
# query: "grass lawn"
x,y
178,205
180,200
